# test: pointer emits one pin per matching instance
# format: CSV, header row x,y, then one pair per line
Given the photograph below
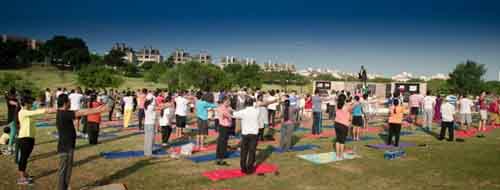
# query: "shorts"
x,y
180,121
483,114
202,127
493,117
340,133
466,118
414,111
357,121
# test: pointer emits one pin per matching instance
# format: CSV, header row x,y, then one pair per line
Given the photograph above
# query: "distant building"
x,y
277,67
203,58
30,43
149,55
234,60
402,77
179,56
129,52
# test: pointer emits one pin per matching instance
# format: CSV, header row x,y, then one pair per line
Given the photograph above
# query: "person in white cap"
x,y
447,121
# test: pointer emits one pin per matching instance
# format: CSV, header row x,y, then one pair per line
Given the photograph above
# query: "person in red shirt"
x,y
93,121
493,111
483,112
308,106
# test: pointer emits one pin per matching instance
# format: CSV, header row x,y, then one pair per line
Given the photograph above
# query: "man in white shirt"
x,y
181,108
428,107
271,108
75,99
250,117
48,98
465,105
447,119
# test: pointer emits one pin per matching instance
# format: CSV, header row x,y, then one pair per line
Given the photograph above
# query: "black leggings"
x,y
25,148
165,133
394,130
340,133
93,132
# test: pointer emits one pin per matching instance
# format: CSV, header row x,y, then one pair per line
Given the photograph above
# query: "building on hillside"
x,y
203,58
149,55
30,43
234,60
128,51
179,56
277,67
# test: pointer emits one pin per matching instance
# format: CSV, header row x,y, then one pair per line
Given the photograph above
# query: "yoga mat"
x,y
224,174
43,125
301,129
384,146
131,154
403,133
298,148
102,136
324,134
328,157
212,157
208,148
365,138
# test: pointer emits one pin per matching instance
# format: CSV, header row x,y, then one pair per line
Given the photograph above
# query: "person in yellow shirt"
x,y
26,137
396,113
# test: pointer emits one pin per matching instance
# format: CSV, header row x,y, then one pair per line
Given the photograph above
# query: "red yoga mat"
x,y
466,134
224,174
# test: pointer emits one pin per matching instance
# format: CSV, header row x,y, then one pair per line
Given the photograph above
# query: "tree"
x,y
466,78
250,77
115,59
438,86
10,80
99,77
148,65
492,87
15,54
66,52
327,77
155,72
131,70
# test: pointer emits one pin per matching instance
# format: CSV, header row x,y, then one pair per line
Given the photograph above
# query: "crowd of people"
x,y
255,115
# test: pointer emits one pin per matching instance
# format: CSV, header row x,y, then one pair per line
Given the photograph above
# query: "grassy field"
x,y
474,164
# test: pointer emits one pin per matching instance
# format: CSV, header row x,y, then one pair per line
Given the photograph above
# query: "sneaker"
x,y
24,181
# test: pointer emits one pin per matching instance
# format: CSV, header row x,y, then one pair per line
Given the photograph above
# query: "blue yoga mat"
x,y
212,157
131,154
301,129
365,138
329,127
297,148
43,125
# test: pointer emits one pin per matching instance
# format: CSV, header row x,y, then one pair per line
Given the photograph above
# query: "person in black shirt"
x,y
67,136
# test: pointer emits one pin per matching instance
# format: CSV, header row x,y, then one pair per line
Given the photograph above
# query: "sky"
x,y
423,37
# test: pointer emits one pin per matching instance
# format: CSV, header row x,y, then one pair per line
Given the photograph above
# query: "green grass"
x,y
474,164
51,77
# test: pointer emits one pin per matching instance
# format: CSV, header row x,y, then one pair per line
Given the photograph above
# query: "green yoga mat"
x,y
327,157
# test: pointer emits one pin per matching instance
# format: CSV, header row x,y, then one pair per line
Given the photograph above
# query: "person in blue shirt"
x,y
358,118
203,104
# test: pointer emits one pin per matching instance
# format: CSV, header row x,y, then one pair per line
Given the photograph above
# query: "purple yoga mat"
x,y
384,146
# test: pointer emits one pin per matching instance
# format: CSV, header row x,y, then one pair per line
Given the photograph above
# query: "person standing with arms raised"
x,y
67,137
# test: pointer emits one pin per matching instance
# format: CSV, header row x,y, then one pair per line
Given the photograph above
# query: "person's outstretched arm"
x,y
90,111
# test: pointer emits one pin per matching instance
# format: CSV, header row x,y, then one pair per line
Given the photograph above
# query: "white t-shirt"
x,y
465,105
165,118
47,96
76,101
263,117
447,112
58,93
150,114
129,102
272,106
429,102
181,106
249,120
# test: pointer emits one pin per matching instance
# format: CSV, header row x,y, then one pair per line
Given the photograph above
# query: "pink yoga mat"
x,y
224,174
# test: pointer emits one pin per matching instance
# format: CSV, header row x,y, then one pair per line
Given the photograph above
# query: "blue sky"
x,y
387,36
